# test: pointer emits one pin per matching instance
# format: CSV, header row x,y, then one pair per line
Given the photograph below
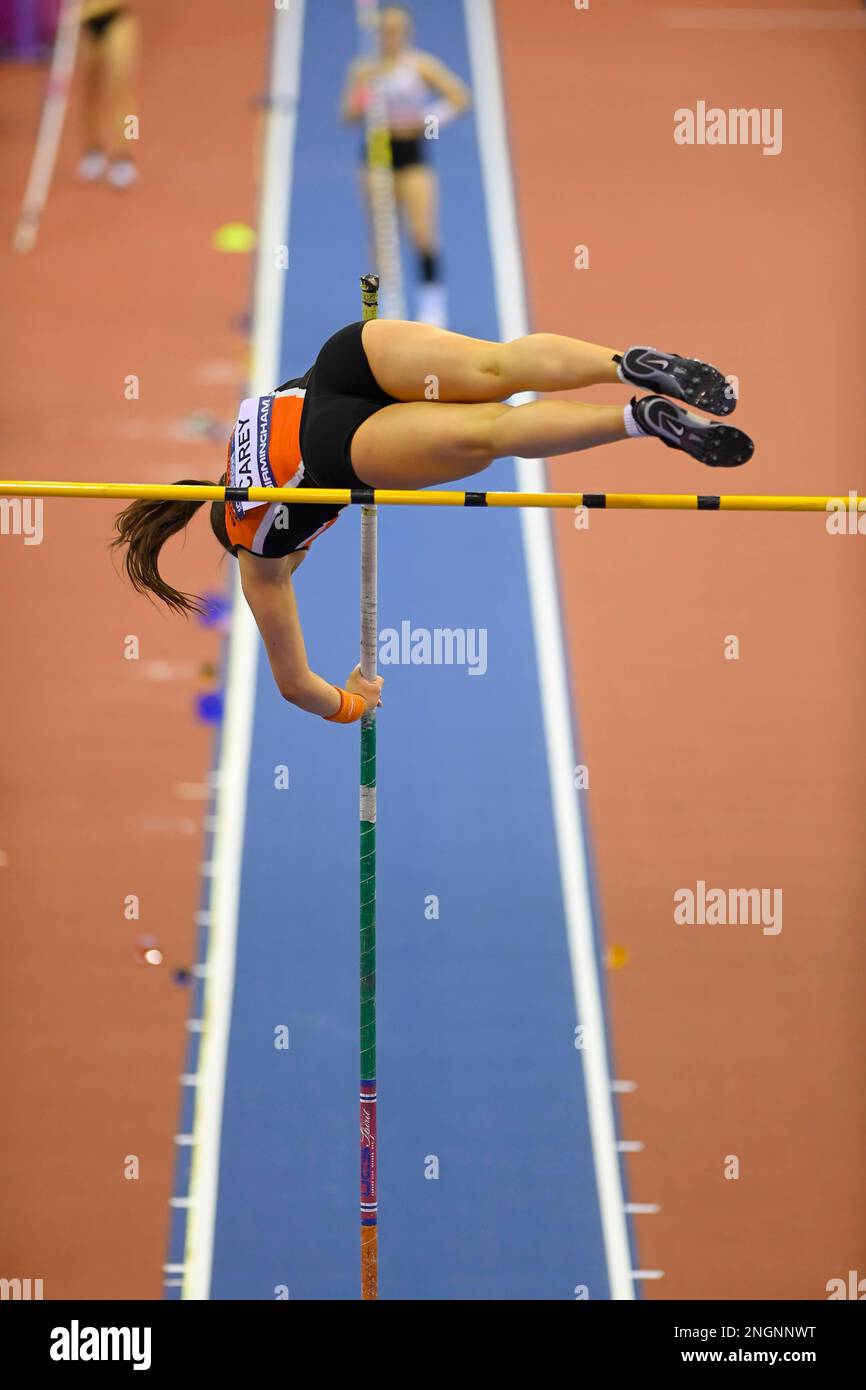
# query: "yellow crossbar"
x,y
339,497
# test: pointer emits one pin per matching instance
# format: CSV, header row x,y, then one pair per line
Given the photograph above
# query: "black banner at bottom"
x,y
82,1339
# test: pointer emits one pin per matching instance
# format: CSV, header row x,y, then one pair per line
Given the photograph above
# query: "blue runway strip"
x,y
487,1183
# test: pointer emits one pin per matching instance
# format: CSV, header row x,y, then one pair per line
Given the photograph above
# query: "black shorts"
x,y
341,394
404,151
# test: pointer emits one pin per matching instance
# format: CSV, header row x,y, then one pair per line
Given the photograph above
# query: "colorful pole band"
x,y
367,815
390,497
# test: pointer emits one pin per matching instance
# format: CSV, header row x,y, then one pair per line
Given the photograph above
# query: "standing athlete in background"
x,y
110,42
416,87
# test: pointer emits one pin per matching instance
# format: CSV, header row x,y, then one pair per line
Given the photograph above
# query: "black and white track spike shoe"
x,y
718,446
696,383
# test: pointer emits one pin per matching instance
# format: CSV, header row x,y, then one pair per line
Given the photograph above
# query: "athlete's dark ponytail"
x,y
144,527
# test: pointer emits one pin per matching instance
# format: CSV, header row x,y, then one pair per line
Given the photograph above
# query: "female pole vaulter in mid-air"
x,y
362,417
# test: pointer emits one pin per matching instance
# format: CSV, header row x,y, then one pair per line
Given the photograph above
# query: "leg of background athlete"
x,y
120,52
91,102
417,195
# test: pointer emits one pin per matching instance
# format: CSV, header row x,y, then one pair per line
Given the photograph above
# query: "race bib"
x,y
249,455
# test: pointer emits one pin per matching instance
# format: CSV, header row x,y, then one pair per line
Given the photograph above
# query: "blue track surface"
x,y
477,1065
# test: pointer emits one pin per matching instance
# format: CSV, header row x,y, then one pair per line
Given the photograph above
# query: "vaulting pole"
x,y
369,639
50,127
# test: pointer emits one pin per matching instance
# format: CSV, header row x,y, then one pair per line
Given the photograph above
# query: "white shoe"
x,y
431,305
122,173
92,166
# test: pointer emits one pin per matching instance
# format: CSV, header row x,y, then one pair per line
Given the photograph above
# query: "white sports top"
x,y
407,96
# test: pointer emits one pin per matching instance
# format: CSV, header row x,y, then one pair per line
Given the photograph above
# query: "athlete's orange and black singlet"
x,y
301,436
265,451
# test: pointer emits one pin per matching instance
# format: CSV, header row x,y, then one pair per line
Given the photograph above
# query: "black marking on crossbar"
x,y
595,499
475,499
709,504
366,496
237,494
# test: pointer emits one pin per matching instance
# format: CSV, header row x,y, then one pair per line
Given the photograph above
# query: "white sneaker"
x,y
122,173
431,305
92,166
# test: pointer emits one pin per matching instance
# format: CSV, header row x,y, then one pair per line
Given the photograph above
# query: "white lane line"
x,y
630,1146
544,599
231,777
642,1208
647,1274
623,1087
721,17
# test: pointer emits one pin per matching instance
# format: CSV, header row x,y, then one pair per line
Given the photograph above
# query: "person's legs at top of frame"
x,y
111,42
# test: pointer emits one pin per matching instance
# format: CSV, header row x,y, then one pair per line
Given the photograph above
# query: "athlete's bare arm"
x,y
268,589
442,80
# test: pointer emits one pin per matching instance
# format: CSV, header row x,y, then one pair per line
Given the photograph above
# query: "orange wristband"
x,y
351,708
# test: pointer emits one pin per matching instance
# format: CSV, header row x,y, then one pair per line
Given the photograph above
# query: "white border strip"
x,y
287,44
544,601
